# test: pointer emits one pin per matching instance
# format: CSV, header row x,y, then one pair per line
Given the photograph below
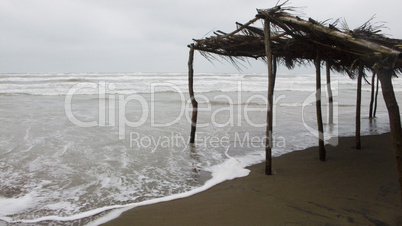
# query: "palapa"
x,y
291,40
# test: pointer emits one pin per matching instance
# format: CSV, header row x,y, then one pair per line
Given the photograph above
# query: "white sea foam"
x,y
229,169
10,206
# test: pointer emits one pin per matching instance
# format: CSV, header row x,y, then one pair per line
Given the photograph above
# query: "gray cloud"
x,y
146,36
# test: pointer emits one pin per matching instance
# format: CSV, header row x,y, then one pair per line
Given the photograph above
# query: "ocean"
x,y
80,148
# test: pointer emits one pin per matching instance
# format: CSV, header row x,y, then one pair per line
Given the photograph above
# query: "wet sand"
x,y
353,187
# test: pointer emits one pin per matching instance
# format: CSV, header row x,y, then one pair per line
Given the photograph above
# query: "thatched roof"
x,y
298,41
292,40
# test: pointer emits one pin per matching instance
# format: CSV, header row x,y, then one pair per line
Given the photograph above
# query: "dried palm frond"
x,y
295,41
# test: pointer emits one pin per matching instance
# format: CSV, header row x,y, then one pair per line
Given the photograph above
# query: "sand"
x,y
353,187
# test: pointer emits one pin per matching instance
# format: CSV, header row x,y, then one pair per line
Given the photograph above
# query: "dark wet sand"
x,y
353,187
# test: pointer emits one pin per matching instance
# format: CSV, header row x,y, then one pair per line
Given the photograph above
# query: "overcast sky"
x,y
146,35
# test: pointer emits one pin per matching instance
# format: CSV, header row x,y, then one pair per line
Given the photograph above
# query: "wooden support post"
x,y
271,86
358,105
322,152
372,96
194,103
385,77
376,98
330,98
274,70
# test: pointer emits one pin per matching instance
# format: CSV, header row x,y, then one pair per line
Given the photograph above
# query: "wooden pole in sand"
x,y
376,98
271,86
322,152
194,103
385,76
372,96
358,105
330,98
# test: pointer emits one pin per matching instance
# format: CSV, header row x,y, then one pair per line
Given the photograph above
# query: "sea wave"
x,y
126,83
229,169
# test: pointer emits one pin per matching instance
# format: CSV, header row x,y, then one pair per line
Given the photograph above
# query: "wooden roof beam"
x,y
286,22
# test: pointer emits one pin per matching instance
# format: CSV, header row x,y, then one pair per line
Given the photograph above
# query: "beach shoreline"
x,y
351,187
